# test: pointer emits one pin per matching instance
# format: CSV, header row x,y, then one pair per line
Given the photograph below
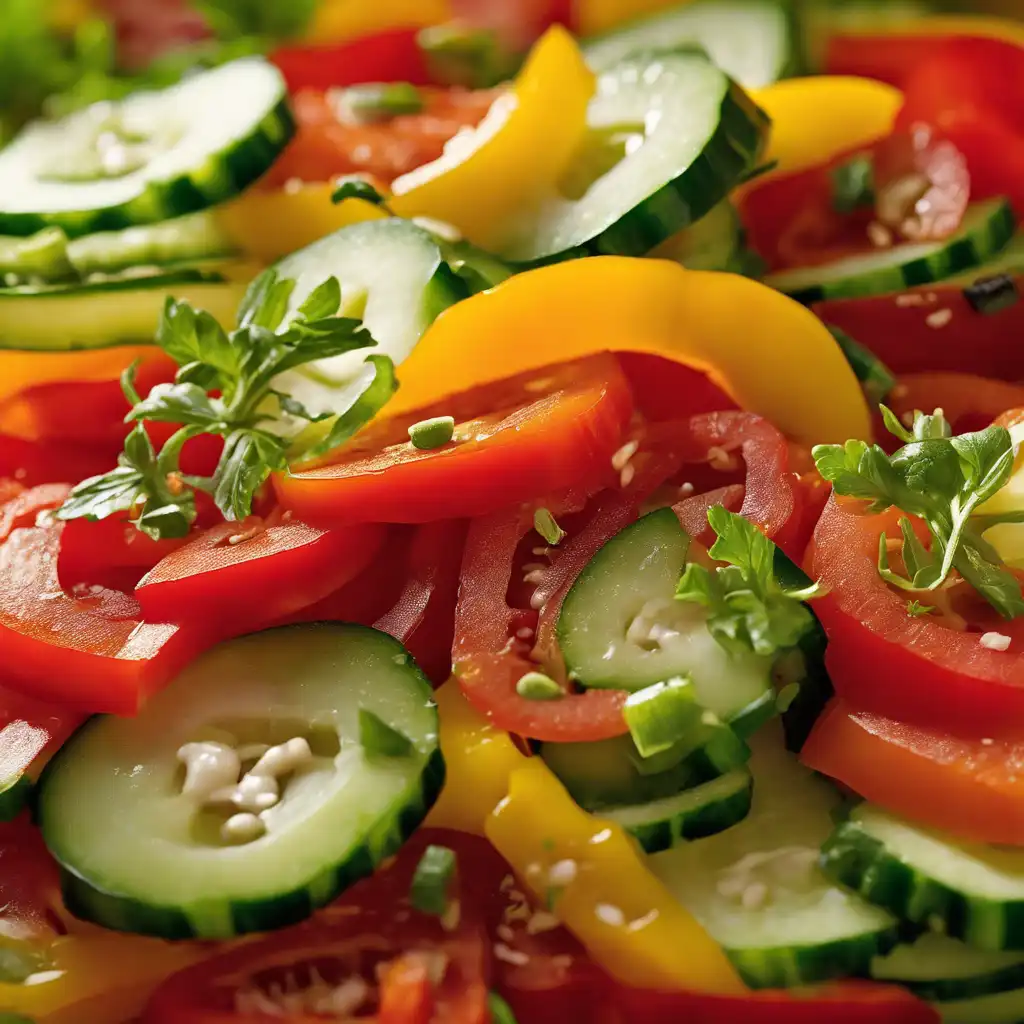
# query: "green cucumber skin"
x,y
689,825
852,857
118,913
15,797
734,148
963,254
220,178
949,990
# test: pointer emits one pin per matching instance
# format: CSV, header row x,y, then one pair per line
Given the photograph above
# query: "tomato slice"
x,y
249,574
33,463
965,786
915,669
30,729
372,940
534,434
326,146
29,887
87,648
933,330
968,402
394,56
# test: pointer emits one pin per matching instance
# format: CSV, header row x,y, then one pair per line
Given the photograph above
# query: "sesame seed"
x,y
939,318
510,956
910,299
627,474
610,915
534,576
879,235
562,873
995,641
987,741
754,896
623,455
525,633
686,490
720,459
542,921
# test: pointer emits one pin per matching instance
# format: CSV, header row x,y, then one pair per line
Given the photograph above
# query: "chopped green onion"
x,y
661,716
875,377
990,295
545,524
788,694
721,747
379,102
918,610
430,883
355,186
380,739
501,1012
853,185
457,55
537,686
433,433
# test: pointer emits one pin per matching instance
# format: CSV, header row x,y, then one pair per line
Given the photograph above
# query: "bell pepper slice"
x,y
484,181
625,917
97,976
337,21
745,336
20,370
270,225
815,119
479,760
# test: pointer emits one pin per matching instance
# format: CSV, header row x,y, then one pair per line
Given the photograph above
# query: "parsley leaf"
x,y
749,609
941,480
225,386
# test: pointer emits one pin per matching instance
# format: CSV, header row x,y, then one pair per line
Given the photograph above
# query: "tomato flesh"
x,y
514,440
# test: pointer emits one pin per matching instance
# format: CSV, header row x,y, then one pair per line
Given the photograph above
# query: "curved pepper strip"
x,y
274,224
337,21
97,978
815,119
747,337
657,944
487,177
479,760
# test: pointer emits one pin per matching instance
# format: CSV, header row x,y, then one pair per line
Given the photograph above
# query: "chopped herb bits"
x,y
432,433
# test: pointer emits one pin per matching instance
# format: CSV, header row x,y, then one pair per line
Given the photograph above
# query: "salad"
x,y
511,513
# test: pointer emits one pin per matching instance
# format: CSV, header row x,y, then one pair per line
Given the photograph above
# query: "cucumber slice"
x,y
393,275
715,242
1001,1008
759,892
692,814
968,891
1009,260
752,41
986,229
682,136
150,156
942,970
621,628
108,310
137,854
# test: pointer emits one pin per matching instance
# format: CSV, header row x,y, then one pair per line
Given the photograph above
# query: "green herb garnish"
x,y
918,610
942,480
748,609
379,739
546,525
537,686
433,433
853,185
432,879
379,102
225,386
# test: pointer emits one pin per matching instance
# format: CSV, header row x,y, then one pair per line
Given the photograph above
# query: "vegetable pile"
x,y
511,513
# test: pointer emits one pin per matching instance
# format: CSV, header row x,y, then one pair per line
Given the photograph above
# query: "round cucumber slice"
x,y
107,310
679,135
941,969
393,276
986,229
150,156
140,855
752,41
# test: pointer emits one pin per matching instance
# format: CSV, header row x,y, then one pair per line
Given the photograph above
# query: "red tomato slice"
x,y
371,933
667,390
534,434
246,575
967,787
29,886
915,669
87,649
30,729
33,463
394,56
933,330
968,402
325,146
423,617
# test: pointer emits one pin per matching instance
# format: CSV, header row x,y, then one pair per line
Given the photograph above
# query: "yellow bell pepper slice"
x,y
513,159
97,978
601,889
595,16
770,354
338,21
479,760
815,119
270,225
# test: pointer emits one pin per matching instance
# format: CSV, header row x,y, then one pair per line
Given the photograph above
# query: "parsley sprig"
x,y
225,386
942,480
749,609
